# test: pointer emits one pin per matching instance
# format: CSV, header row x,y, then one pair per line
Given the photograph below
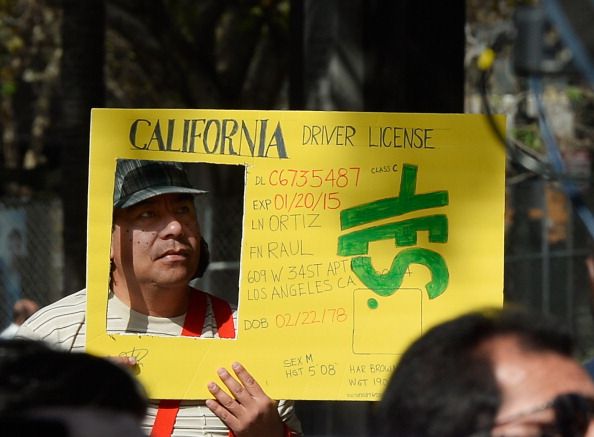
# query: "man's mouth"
x,y
174,255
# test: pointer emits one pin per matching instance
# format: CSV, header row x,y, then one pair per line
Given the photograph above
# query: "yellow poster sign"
x,y
360,231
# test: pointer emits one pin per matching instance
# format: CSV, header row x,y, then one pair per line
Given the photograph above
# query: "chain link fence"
x,y
545,258
221,224
31,255
220,214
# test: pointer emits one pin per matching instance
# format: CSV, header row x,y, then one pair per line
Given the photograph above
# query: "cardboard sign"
x,y
360,231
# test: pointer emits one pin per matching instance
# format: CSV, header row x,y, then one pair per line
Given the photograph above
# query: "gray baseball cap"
x,y
138,180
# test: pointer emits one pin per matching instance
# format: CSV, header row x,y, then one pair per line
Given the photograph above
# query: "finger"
x,y
222,397
248,381
222,413
123,361
225,401
236,389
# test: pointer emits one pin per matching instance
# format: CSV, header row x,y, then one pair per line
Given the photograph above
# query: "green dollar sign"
x,y
386,284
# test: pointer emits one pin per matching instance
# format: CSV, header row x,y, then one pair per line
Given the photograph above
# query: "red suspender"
x,y
165,419
168,408
224,317
196,314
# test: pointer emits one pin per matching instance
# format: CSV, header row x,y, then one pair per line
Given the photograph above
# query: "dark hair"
x,y
444,386
34,376
24,426
204,259
70,422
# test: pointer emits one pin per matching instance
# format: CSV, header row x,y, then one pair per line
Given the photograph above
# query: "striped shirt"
x,y
62,324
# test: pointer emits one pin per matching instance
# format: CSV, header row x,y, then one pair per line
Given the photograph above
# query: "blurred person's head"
x,y
489,373
69,422
34,377
23,309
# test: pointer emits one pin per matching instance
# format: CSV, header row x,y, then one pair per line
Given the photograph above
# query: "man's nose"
x,y
172,228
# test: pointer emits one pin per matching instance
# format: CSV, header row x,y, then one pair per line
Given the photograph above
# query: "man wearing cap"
x,y
156,249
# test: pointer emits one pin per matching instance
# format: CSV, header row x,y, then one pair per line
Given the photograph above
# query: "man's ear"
x,y
113,227
204,258
111,246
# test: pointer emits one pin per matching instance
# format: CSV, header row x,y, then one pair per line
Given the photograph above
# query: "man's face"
x,y
156,242
528,380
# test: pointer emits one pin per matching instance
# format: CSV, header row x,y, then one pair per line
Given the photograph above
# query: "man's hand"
x,y
250,412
